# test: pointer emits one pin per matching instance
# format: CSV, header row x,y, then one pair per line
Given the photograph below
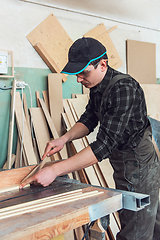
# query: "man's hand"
x,y
44,176
52,147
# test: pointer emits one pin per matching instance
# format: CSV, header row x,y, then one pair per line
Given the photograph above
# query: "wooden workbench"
x,y
50,222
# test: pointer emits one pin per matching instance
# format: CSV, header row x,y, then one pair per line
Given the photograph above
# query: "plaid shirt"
x,y
124,115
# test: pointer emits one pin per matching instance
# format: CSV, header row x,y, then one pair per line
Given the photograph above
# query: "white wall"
x,y
18,18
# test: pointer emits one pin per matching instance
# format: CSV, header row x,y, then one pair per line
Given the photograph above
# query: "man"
x,y
124,136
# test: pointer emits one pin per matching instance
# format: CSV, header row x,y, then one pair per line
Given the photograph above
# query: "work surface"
x,y
52,221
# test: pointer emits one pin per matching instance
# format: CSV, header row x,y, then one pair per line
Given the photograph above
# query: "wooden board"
x,y
152,96
63,152
101,34
141,61
27,141
55,100
52,43
46,99
41,129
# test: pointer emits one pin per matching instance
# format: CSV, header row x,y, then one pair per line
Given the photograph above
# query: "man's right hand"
x,y
52,147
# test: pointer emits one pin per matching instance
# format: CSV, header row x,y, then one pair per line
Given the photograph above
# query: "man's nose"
x,y
79,79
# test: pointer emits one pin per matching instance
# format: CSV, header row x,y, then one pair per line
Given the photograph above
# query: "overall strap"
x,y
114,80
111,83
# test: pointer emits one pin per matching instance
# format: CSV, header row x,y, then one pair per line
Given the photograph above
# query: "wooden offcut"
x,y
52,43
101,34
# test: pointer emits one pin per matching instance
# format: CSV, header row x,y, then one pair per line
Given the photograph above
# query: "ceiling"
x,y
145,13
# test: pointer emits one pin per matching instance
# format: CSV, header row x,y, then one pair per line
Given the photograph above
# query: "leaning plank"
x,y
52,43
63,152
55,99
37,97
41,129
13,158
26,111
46,99
23,129
48,60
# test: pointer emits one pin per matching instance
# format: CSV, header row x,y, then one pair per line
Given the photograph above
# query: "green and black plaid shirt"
x,y
124,115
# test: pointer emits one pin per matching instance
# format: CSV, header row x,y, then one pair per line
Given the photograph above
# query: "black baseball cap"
x,y
82,52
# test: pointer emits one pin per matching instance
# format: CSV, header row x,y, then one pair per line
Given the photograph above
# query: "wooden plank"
x,y
141,61
48,60
46,99
13,158
26,111
41,129
63,152
17,161
55,99
14,176
27,141
52,42
101,34
37,97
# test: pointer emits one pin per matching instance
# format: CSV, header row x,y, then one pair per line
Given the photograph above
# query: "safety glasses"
x,y
86,73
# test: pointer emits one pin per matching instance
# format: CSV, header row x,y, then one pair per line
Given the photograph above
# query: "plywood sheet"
x,y
101,34
141,61
152,96
52,42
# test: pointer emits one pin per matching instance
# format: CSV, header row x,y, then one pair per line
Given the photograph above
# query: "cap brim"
x,y
74,68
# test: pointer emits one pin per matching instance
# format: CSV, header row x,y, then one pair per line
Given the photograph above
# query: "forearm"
x,y
79,130
48,174
81,160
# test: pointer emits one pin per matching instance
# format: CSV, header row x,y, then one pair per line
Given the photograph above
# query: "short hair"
x,y
98,60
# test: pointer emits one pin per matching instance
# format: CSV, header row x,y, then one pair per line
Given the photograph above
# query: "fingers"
x,y
50,150
27,181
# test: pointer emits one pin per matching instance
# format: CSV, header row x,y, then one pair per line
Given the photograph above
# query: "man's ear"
x,y
103,64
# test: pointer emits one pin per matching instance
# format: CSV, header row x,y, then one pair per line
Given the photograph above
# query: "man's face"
x,y
91,76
